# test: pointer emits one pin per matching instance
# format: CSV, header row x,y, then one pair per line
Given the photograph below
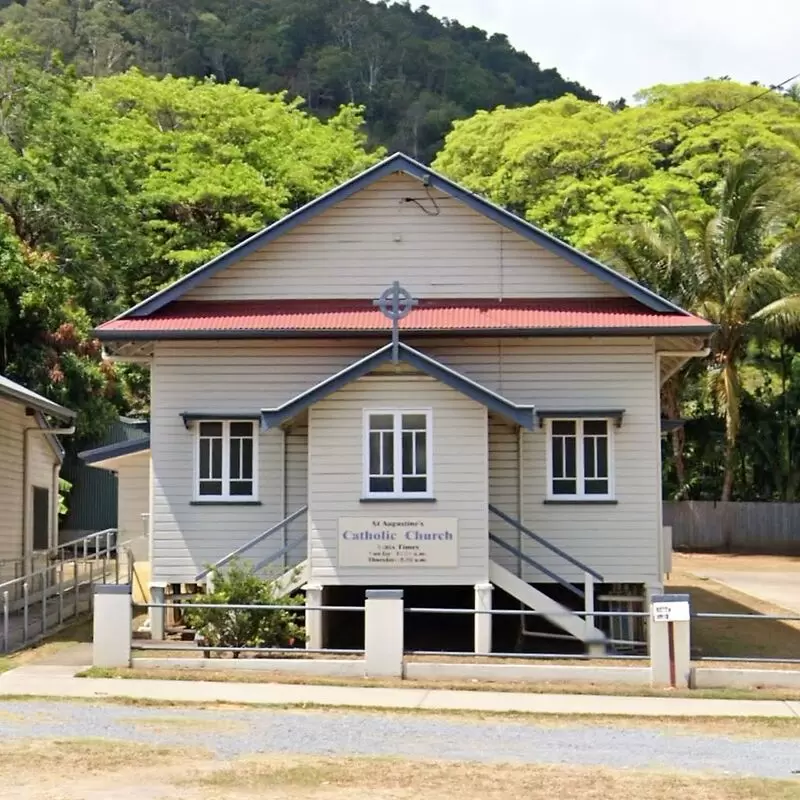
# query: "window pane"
x,y
205,460
408,453
247,458
565,487
210,488
242,429
388,453
595,427
242,488
602,457
234,459
381,484
564,427
211,429
570,468
558,456
414,422
374,453
596,487
415,484
588,457
421,450
384,422
216,458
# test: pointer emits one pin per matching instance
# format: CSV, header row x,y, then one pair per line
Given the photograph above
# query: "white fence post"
x,y
158,616
383,633
313,617
670,641
112,626
483,619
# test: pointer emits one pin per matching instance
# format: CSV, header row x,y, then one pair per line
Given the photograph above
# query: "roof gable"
x,y
403,164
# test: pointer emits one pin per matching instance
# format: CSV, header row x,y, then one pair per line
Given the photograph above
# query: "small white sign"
x,y
395,542
671,611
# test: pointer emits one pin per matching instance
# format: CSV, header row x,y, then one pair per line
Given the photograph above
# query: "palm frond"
x,y
781,317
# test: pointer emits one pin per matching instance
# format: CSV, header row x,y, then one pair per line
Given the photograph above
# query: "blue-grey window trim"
x,y
615,414
399,162
189,417
522,415
116,450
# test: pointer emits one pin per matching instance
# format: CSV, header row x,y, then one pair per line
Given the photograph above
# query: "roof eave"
x,y
326,333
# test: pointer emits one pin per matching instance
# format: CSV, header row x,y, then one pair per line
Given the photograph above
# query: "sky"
x,y
616,47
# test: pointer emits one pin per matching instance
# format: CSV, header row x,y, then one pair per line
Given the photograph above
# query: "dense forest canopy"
x,y
413,72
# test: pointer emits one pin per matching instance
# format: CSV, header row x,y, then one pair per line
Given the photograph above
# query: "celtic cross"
x,y
396,303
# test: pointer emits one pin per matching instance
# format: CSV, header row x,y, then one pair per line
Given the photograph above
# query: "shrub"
x,y
227,627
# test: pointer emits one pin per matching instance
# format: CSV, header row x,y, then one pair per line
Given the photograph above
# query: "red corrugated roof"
x,y
326,316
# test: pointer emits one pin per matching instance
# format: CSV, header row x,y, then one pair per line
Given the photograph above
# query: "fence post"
x,y
158,594
483,619
6,643
25,612
670,653
314,639
383,633
111,641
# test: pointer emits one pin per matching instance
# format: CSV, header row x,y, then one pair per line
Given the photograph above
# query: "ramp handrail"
x,y
536,565
549,545
253,542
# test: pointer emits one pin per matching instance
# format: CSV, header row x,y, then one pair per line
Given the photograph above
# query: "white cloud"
x,y
616,47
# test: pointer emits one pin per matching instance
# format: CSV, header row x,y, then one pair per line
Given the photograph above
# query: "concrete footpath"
x,y
60,681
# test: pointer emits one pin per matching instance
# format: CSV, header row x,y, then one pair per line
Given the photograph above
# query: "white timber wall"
x,y
358,247
41,461
12,423
222,377
621,541
460,483
133,498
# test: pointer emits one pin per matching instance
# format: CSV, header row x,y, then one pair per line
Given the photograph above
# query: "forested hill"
x,y
413,72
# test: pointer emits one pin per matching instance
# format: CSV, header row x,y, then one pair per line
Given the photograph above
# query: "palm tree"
x,y
732,273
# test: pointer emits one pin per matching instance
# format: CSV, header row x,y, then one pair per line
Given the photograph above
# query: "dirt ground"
x,y
45,770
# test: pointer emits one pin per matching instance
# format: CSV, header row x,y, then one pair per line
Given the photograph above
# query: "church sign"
x,y
398,542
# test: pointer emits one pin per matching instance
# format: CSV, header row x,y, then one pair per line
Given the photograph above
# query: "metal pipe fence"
x,y
38,602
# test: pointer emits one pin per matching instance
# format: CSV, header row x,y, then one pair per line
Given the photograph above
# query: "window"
x,y
580,459
397,454
226,461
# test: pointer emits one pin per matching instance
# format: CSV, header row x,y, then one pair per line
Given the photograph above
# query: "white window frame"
x,y
580,472
226,496
397,414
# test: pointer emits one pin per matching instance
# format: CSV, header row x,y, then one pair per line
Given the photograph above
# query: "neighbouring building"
x,y
403,385
30,462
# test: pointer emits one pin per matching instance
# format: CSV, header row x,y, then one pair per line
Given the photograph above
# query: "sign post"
x,y
670,655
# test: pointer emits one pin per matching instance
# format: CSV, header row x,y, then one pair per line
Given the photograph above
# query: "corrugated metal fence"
x,y
735,527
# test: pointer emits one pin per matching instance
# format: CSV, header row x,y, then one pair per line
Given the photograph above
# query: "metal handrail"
x,y
536,565
549,545
265,562
254,541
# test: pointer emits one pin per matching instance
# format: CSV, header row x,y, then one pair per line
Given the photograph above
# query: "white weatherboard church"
x,y
403,385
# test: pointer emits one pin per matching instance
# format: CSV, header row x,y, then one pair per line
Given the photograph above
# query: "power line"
x,y
708,121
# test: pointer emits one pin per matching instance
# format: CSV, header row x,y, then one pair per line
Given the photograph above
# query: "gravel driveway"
x,y
230,733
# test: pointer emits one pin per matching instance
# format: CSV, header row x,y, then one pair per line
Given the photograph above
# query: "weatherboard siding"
x,y
620,541
12,423
133,475
459,478
358,247
41,460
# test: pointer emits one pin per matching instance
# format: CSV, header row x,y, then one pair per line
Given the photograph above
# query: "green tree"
x,y
738,271
586,172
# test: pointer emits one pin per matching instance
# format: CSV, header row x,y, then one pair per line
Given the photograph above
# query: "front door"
x,y
41,518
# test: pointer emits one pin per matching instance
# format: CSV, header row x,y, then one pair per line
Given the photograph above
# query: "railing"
x,y
36,603
549,545
253,542
589,575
